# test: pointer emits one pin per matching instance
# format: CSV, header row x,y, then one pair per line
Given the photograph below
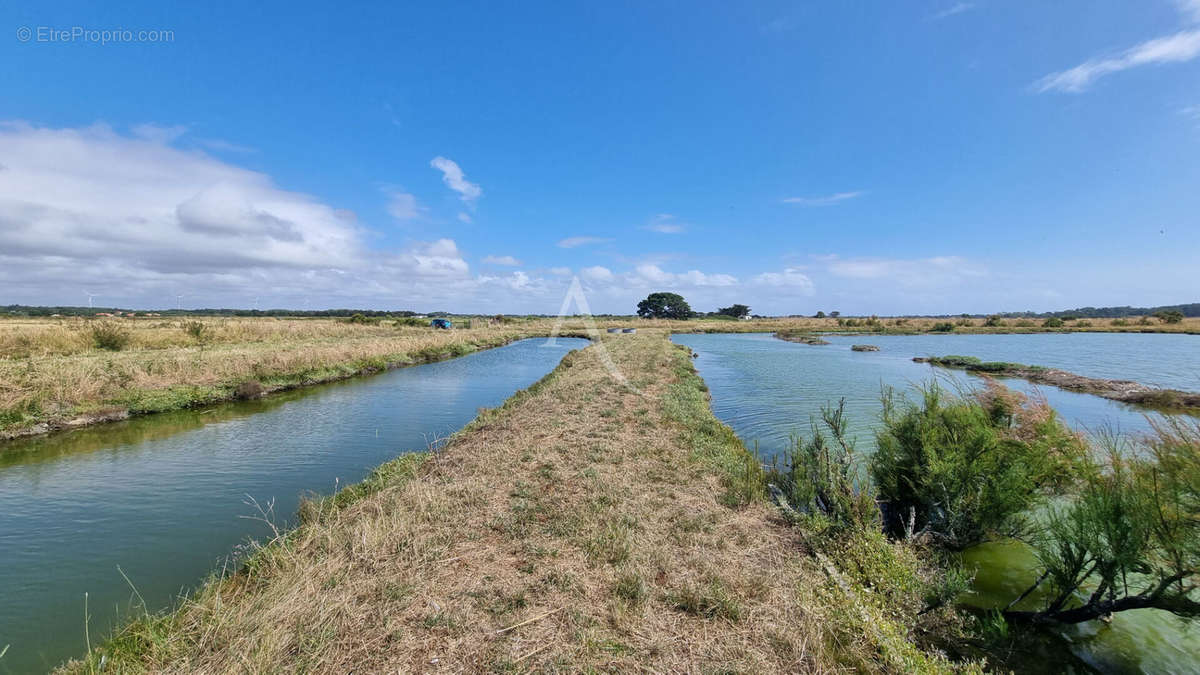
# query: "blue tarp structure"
x,y
441,323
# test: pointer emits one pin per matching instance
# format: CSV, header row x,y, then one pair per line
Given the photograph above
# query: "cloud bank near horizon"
x,y
138,221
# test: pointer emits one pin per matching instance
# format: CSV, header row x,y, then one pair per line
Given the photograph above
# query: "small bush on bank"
x,y
362,319
197,330
1052,322
1120,322
1169,316
110,336
993,321
942,327
962,470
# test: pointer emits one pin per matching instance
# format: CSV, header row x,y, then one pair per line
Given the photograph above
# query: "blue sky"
x,y
920,157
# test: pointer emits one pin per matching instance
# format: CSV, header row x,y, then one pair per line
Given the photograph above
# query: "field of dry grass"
x,y
52,374
583,526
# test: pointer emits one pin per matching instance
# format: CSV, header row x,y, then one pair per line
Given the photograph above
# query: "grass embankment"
x,y
582,526
54,375
1125,391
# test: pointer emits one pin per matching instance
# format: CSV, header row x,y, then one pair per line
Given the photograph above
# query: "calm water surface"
x,y
164,498
768,390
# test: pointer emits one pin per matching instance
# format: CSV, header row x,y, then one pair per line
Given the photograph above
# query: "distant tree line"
x,y
1188,310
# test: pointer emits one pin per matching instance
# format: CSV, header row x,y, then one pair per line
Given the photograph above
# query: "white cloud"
x,y
439,258
791,279
596,273
573,242
560,271
939,271
517,281
403,206
506,260
653,274
465,217
220,145
826,200
135,219
1190,9
157,133
456,180
665,223
1178,48
698,278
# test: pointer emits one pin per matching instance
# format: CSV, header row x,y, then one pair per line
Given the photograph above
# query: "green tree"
x,y
819,315
663,305
1169,316
736,311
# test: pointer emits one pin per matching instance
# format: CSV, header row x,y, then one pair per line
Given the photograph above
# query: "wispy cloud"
x,y
220,145
791,278
402,205
1178,48
573,242
1192,111
935,272
649,274
157,133
456,180
506,260
827,200
1190,8
665,223
596,273
782,24
957,8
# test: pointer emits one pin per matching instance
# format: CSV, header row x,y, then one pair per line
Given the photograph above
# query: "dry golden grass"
x,y
63,379
580,527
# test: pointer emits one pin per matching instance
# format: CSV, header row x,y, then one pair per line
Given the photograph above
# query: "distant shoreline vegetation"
x,y
1184,311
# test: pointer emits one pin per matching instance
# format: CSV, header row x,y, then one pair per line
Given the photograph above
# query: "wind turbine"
x,y
179,301
90,297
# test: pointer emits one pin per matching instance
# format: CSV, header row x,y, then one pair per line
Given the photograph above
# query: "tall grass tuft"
x,y
110,336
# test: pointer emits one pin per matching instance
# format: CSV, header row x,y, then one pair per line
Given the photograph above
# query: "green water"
x,y
166,499
768,389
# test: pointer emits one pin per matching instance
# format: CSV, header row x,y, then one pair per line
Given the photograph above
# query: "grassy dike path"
x,y
582,526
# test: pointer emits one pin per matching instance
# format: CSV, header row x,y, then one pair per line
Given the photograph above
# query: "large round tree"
x,y
664,306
